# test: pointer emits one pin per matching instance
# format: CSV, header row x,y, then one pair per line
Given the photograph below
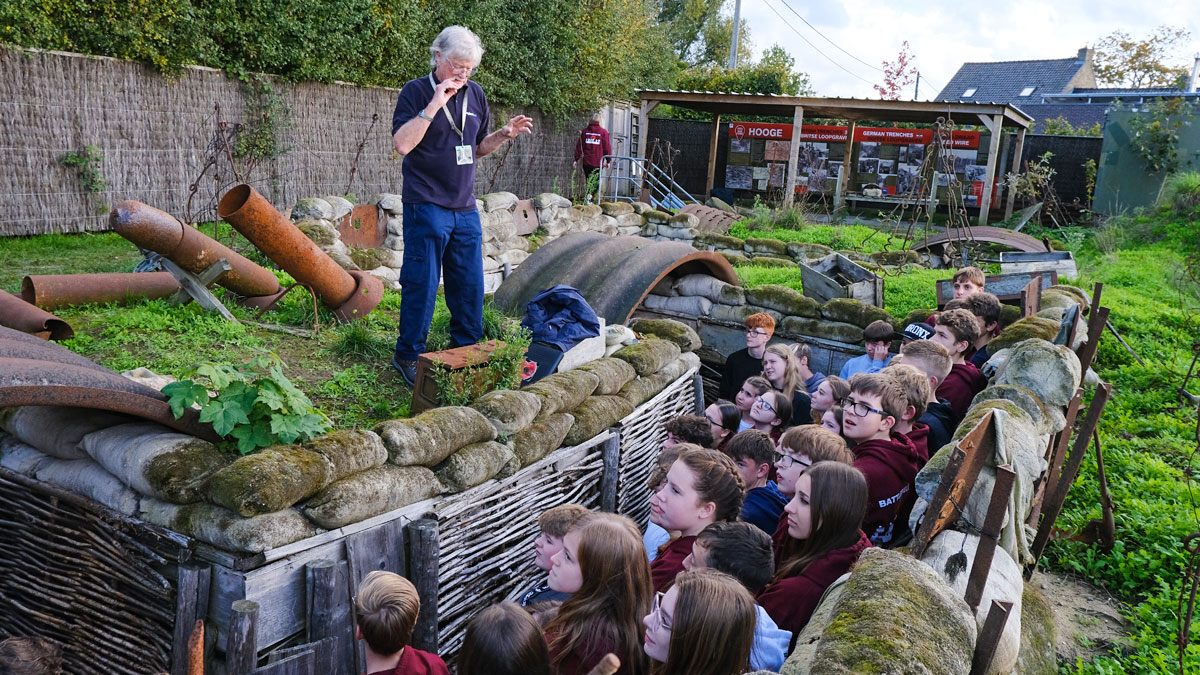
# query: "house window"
x,y
1027,91
969,93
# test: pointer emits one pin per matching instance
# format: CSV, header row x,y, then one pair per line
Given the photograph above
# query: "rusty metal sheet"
x,y
614,274
17,314
51,291
17,345
712,220
525,217
985,234
363,227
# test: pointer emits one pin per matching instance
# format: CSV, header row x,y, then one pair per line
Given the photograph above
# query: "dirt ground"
x,y
1088,619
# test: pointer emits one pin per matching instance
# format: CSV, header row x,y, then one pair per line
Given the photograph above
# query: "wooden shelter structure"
x,y
994,116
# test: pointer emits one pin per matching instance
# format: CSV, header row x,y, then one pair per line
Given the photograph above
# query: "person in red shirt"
x,y
385,612
957,331
592,146
503,639
603,566
702,487
888,459
826,517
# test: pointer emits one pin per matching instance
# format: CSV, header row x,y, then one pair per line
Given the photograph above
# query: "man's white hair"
x,y
457,42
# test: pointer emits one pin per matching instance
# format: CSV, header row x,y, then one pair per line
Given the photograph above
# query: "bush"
x,y
1181,193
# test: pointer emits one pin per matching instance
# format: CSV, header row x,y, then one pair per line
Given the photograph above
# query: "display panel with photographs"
x,y
777,151
739,177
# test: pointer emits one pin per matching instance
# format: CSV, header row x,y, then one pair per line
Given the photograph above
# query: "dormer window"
x,y
969,93
1027,91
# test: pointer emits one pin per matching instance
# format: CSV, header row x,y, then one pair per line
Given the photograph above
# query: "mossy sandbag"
x,y
892,615
848,310
58,431
649,355
269,480
370,493
1009,314
86,477
1024,398
563,392
1059,299
739,313
772,247
669,329
918,315
642,389
613,374
1039,634
826,330
349,451
1074,291
1024,329
156,461
805,251
434,435
596,414
786,301
1051,371
718,241
541,438
475,464
508,410
227,530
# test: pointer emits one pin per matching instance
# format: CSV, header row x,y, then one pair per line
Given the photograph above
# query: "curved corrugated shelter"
x,y
614,274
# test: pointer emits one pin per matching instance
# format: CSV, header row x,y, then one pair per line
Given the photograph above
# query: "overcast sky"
x,y
943,37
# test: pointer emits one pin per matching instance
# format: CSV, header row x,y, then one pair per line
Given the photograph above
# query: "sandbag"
x,y
612,373
432,436
1024,398
20,457
1004,583
349,451
370,493
475,464
649,355
739,313
269,480
57,430
707,286
1039,635
563,392
542,437
507,410
837,331
227,530
595,415
669,329
87,478
1024,329
642,389
691,305
893,614
849,310
1052,371
155,460
786,301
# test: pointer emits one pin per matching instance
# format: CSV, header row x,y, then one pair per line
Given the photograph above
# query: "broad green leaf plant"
x,y
255,404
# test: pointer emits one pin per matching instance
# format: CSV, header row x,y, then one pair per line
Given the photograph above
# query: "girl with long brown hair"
x,y
703,625
825,517
702,487
723,419
782,370
603,566
503,639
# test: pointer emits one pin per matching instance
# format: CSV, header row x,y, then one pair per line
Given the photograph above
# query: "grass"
x,y
838,237
903,293
63,253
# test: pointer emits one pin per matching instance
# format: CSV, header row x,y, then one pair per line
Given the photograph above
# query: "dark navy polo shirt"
x,y
431,172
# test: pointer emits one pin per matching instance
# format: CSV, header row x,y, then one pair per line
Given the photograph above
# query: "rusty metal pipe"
x,y
189,248
18,314
348,295
51,291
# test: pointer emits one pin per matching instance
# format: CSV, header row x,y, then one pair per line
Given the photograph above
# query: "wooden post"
x,y
329,615
423,551
848,157
241,648
1017,168
713,139
380,548
609,479
794,157
1002,171
191,605
985,200
644,125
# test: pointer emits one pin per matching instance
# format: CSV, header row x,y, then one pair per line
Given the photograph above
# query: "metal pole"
x,y
917,87
737,14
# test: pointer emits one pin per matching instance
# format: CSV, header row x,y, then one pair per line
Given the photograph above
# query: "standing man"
x,y
592,146
440,127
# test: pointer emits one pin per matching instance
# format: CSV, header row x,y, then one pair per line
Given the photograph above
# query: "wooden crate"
x,y
1059,262
464,359
1007,287
836,276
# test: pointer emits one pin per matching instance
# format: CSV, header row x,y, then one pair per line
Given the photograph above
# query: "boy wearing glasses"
x,y
888,459
747,362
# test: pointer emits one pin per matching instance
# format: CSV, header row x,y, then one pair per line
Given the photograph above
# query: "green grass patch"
x,y
903,293
839,237
64,254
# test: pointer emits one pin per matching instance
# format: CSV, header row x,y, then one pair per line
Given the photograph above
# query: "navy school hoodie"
x,y
942,423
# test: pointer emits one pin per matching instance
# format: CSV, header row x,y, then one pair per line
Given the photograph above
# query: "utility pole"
x,y
917,88
737,24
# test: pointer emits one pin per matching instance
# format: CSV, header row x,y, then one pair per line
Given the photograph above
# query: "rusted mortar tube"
x,y
349,295
191,249
51,291
18,314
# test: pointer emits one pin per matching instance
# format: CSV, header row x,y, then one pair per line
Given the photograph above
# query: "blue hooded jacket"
x,y
560,316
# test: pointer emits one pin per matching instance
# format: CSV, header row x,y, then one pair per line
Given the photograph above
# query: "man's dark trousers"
x,y
446,243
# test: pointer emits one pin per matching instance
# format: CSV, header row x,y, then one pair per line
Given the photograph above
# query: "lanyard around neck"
x,y
460,130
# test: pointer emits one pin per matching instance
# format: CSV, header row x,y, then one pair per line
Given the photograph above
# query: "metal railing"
x,y
625,178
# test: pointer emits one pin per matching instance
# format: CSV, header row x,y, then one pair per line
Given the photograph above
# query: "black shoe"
x,y
408,370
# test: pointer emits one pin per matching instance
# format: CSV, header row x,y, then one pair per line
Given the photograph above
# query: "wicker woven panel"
x,y
486,535
641,436
74,572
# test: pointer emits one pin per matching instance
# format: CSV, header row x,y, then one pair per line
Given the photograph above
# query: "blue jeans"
x,y
439,242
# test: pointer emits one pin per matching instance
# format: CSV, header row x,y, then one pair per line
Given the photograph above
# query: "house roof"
x,y
1004,81
1078,114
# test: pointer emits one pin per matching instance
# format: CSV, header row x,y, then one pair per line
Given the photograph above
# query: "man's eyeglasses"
x,y
460,68
859,408
786,461
763,402
657,612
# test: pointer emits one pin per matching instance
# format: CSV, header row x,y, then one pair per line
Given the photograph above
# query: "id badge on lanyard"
x,y
464,153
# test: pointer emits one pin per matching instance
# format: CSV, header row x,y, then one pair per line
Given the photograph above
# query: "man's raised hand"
x,y
517,126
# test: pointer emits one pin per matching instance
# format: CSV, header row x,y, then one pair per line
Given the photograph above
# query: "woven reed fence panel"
x,y
486,538
72,572
642,435
156,136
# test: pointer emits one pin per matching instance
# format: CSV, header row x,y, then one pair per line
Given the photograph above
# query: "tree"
x,y
775,73
716,36
897,75
685,20
1122,60
1061,126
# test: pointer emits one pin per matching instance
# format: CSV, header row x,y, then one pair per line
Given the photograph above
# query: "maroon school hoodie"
x,y
782,543
960,386
791,601
920,438
669,563
413,661
890,466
